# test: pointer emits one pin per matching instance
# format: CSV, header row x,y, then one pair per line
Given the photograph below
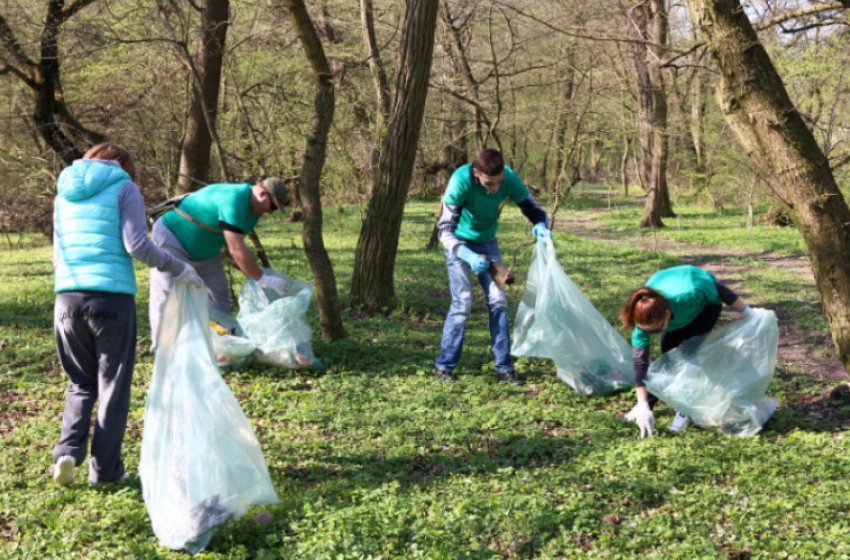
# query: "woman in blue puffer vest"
x,y
99,226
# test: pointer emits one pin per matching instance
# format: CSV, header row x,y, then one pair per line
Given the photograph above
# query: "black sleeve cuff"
x,y
224,226
726,295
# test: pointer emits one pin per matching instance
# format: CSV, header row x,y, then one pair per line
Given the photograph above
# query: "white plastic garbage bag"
x,y
556,320
278,323
720,379
201,464
232,347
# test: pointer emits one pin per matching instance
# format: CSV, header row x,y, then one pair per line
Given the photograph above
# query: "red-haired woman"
x,y
678,303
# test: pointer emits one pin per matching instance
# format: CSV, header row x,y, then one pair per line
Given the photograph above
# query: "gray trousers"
x,y
210,270
96,342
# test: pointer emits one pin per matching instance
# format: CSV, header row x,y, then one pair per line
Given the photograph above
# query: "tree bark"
x,y
697,118
647,23
453,29
774,135
327,296
379,78
372,285
54,121
206,84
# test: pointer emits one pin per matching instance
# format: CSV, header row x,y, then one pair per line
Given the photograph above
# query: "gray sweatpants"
x,y
96,342
210,270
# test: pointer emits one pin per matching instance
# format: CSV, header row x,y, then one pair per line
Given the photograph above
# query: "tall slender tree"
x,y
648,26
311,172
203,108
372,285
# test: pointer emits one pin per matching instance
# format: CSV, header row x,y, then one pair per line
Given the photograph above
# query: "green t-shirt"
x,y
689,289
220,206
480,209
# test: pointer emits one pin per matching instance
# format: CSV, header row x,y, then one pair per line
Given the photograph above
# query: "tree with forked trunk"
x,y
769,127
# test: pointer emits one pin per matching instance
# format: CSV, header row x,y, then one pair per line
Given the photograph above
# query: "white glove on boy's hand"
x,y
272,282
189,277
642,415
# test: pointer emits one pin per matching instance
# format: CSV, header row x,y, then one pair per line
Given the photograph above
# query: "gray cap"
x,y
278,190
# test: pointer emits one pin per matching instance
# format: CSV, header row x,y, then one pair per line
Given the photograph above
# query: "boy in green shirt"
x,y
467,225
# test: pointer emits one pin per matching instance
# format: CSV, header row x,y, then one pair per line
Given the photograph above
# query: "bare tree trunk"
x,y
564,153
203,108
311,173
647,23
696,130
453,43
624,165
771,130
53,120
372,284
379,77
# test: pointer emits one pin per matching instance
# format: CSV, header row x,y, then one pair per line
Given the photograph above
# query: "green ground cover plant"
x,y
373,458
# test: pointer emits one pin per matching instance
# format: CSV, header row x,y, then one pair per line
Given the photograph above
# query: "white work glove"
x,y
272,283
189,277
642,415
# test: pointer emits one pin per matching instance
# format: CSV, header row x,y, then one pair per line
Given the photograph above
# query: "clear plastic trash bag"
x,y
232,347
720,379
556,320
278,323
201,464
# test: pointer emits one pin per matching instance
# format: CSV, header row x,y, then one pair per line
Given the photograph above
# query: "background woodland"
x,y
374,102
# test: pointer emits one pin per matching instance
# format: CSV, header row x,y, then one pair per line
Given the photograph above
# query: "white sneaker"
x,y
680,423
125,476
63,471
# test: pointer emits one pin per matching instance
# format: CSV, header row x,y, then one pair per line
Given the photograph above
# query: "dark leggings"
x,y
702,324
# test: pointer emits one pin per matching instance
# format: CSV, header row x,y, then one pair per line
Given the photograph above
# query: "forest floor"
x,y
805,352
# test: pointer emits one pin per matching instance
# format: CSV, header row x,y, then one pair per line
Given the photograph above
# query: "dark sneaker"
x,y
444,376
509,376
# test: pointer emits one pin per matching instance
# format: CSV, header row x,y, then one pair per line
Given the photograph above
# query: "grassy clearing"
x,y
372,458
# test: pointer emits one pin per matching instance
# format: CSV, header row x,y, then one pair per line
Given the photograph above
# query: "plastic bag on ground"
x,y
278,323
201,464
232,347
720,379
556,320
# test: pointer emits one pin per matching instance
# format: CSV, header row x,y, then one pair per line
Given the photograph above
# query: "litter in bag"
x,y
232,347
556,320
201,464
278,323
720,379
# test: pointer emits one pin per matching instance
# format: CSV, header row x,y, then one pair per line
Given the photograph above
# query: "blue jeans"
x,y
454,330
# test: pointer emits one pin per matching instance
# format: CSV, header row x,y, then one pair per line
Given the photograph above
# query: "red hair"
x,y
115,152
646,307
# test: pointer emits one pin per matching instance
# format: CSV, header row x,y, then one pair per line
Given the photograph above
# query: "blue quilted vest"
x,y
90,253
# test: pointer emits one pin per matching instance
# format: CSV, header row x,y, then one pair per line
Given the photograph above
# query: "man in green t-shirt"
x,y
205,222
468,221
